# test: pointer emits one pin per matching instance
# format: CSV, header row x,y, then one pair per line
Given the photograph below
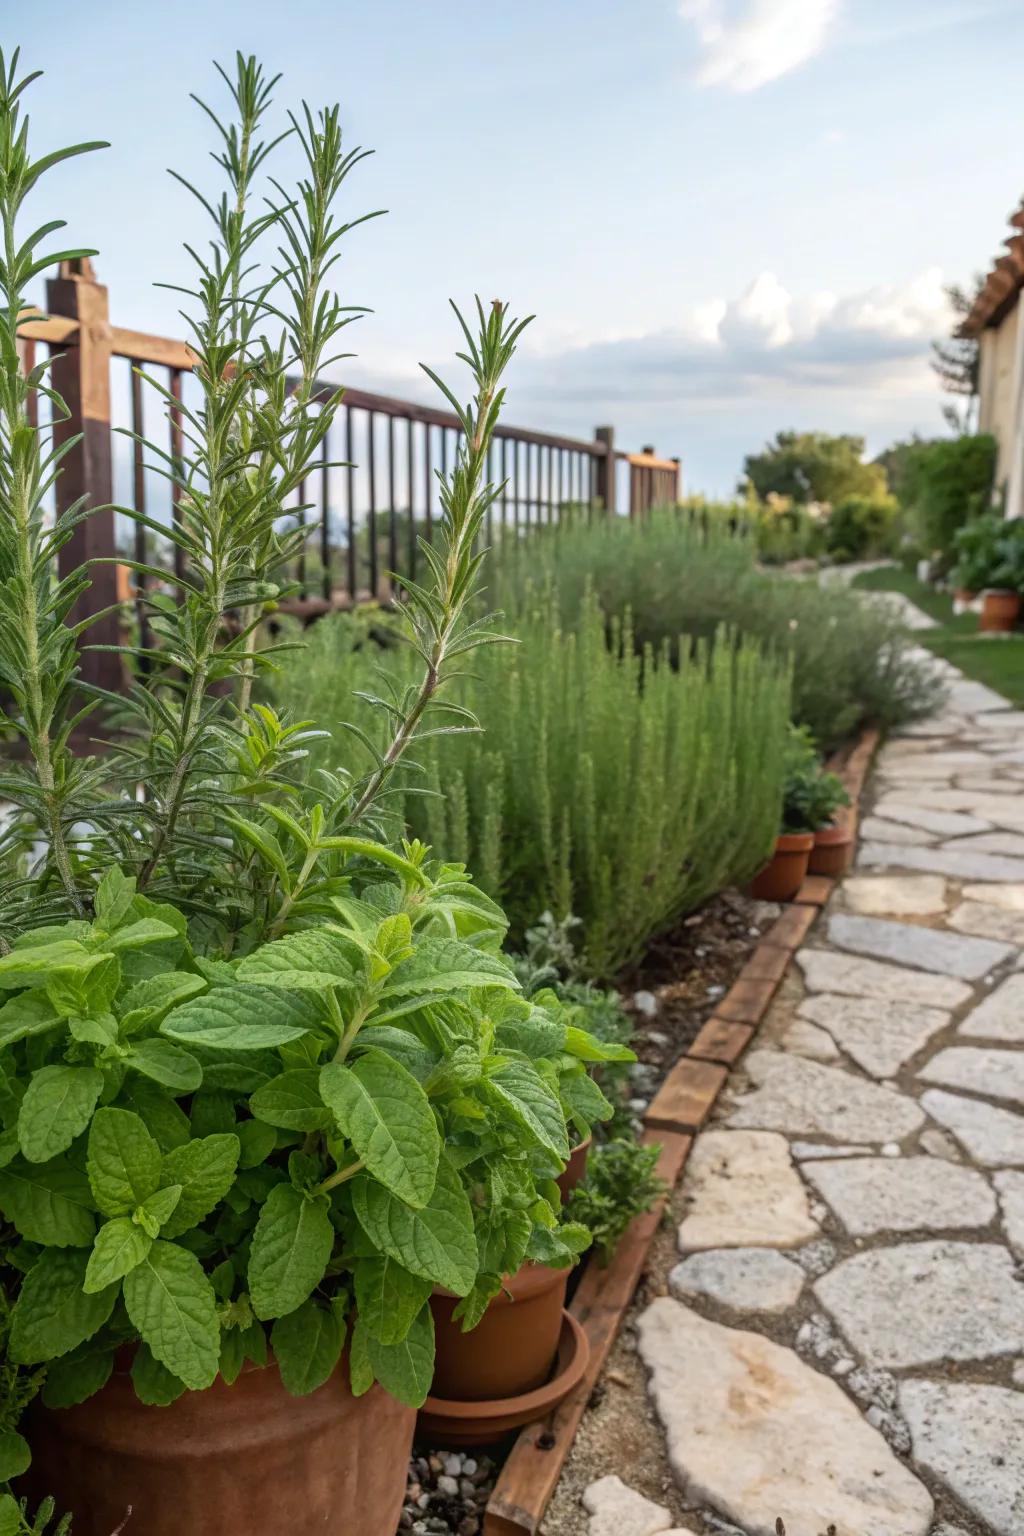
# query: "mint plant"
x,y
213,1158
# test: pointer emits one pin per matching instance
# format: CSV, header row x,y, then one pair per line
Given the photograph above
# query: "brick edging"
x,y
678,1110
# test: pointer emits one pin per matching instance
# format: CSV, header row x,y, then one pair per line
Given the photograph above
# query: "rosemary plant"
x,y
204,797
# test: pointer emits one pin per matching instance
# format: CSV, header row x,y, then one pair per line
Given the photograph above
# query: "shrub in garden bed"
x,y
607,782
851,661
266,1079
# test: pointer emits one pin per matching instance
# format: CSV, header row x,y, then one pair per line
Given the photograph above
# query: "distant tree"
x,y
813,466
896,461
956,362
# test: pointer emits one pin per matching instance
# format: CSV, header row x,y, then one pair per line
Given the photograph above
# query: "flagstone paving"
x,y
842,1345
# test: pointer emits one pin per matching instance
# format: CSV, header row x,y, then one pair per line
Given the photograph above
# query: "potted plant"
x,y
810,800
1001,600
268,1080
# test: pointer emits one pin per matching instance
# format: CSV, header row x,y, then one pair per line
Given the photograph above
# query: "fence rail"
x,y
372,494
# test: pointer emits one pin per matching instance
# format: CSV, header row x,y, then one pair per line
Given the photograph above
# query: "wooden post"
x,y
606,468
678,493
81,375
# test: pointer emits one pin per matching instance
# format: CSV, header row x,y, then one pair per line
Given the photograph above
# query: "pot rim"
x,y
832,836
1001,592
573,1350
794,842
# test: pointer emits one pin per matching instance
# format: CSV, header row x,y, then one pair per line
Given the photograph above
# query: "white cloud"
x,y
747,43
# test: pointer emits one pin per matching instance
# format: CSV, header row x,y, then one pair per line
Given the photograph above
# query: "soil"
x,y
669,995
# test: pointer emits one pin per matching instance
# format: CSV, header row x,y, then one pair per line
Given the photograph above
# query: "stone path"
x,y
843,1345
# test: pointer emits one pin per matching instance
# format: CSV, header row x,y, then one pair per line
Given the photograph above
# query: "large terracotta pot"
x,y
784,874
574,1169
230,1461
512,1348
999,611
831,852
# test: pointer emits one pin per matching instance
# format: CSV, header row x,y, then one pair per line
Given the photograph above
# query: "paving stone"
x,y
991,1136
745,1279
879,1042
826,971
926,949
1011,1200
741,1190
1010,897
761,1436
802,1150
804,1098
895,895
1001,1015
940,1144
971,1437
941,861
939,823
988,922
617,1510
997,1073
971,698
803,1039
1010,843
918,1303
911,1194
1006,720
931,765
1000,810
875,830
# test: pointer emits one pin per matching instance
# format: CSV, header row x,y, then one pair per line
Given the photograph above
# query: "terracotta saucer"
x,y
446,1421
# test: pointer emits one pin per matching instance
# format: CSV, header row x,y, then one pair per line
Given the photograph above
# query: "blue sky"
x,y
729,216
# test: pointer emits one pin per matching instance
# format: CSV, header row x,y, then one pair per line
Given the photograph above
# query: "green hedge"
x,y
944,484
607,781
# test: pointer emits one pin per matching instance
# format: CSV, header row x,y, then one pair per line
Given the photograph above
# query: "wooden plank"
x,y
767,963
792,927
56,330
685,1097
141,347
720,1040
530,1475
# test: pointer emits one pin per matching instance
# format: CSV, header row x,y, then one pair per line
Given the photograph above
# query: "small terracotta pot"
x,y
784,874
229,1461
445,1421
999,612
511,1349
831,852
574,1169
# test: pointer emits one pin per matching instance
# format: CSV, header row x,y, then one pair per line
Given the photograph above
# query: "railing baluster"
x,y
350,507
178,467
371,515
326,576
392,510
139,503
410,456
430,489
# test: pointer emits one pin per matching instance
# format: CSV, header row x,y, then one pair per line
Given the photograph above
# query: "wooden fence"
x,y
370,508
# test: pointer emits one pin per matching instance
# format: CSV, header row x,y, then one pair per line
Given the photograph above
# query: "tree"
x,y
813,466
956,362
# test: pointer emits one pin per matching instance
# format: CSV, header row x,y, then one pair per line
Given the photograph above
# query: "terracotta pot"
x,y
831,852
784,874
229,1461
511,1349
999,612
575,1168
445,1421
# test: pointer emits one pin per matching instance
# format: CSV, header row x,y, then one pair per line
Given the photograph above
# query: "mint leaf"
x,y
15,1455
388,1297
205,1169
158,1209
307,1345
78,1375
437,1243
292,1101
166,1064
241,1018
54,1313
49,1203
30,1013
154,1383
313,961
257,1141
520,1090
290,1249
166,1121
34,966
57,1107
124,1161
113,899
405,1369
150,1000
171,1303
148,930
385,1114
119,1246
446,965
